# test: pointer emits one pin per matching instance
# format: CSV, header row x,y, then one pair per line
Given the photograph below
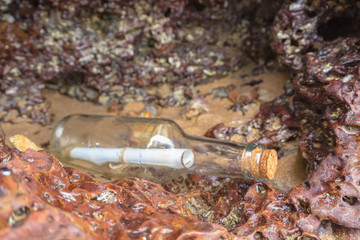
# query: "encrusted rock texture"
x,y
109,51
320,110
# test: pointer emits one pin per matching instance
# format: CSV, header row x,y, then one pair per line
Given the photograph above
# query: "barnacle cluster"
x,y
319,110
109,51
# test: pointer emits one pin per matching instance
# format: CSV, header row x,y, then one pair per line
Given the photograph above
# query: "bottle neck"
x,y
226,158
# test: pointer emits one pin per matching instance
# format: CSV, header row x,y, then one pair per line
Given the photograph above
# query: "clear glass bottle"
x,y
156,149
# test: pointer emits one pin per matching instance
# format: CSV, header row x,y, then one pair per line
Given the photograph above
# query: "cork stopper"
x,y
254,162
268,163
260,162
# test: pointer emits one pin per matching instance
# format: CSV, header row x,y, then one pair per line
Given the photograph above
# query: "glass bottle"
x,y
110,147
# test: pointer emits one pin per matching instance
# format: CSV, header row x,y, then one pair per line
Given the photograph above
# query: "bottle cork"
x,y
268,163
260,162
254,162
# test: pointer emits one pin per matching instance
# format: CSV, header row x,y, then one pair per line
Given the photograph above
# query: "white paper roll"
x,y
173,157
97,155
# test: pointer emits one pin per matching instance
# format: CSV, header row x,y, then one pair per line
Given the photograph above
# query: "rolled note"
x,y
173,157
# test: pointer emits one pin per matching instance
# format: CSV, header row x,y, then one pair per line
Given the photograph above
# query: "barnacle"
x,y
110,52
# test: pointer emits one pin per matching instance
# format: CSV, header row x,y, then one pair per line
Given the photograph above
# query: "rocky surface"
x,y
109,51
319,111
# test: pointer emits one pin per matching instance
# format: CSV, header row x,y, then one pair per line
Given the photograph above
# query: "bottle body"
x,y
155,149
